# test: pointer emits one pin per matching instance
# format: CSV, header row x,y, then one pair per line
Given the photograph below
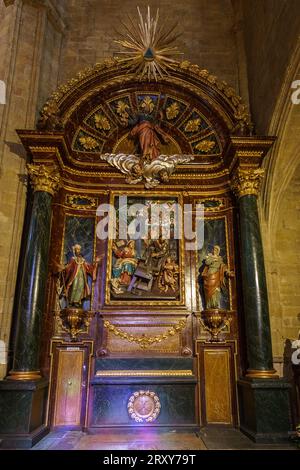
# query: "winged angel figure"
x,y
153,173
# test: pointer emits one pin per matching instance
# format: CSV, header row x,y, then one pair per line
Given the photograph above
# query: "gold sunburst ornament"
x,y
148,45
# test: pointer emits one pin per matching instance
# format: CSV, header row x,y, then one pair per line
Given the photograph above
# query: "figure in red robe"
x,y
149,137
75,278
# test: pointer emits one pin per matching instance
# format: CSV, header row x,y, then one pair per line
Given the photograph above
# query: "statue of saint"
x,y
149,136
124,265
168,277
75,277
214,275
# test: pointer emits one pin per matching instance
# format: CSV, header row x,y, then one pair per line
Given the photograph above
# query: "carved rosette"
x,y
143,406
44,178
246,182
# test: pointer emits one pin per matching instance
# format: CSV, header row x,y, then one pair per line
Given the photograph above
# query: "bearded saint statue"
x,y
214,278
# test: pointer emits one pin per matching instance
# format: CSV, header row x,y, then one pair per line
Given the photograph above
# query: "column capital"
x,y
246,181
44,178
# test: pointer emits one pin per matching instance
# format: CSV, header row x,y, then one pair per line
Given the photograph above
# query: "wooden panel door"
x,y
217,383
68,396
217,386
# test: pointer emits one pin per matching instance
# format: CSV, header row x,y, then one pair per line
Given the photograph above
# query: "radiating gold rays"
x,y
148,46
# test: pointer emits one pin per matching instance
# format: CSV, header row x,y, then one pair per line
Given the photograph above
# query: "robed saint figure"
x,y
75,278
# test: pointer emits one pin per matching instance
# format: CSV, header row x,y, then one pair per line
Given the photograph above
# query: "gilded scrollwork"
x,y
49,119
240,111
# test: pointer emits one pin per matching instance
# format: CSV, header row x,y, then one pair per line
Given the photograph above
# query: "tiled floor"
x,y
207,439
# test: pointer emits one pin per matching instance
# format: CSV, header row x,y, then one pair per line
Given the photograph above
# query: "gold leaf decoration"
x,y
147,105
205,146
58,96
193,125
145,341
121,110
147,46
88,143
172,111
101,122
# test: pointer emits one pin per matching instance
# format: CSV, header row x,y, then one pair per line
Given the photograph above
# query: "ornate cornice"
x,y
44,178
246,181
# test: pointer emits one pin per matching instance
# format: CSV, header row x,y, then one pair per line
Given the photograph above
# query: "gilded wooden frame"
x,y
160,302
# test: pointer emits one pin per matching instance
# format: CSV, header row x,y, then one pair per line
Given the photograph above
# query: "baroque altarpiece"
x,y
152,342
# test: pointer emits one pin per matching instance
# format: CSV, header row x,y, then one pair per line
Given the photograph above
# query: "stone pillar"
x,y
246,184
45,181
263,397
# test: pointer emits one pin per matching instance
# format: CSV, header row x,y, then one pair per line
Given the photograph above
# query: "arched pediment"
x,y
97,108
89,120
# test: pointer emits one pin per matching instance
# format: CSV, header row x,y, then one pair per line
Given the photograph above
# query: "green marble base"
x,y
110,393
177,397
22,417
265,414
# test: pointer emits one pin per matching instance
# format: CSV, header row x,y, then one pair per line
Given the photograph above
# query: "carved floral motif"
x,y
172,111
101,122
88,143
122,111
205,146
193,125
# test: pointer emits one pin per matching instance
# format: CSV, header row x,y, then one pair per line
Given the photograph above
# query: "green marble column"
x,y
255,296
45,181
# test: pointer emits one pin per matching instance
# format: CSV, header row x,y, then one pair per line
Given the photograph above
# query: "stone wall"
x,y
287,247
283,269
207,26
271,30
279,213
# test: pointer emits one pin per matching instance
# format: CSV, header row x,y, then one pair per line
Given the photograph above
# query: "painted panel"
x,y
69,388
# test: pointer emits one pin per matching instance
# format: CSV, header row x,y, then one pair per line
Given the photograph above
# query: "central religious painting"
x,y
144,253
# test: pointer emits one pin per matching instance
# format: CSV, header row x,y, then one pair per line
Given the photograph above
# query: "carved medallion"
x,y
144,406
